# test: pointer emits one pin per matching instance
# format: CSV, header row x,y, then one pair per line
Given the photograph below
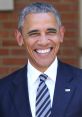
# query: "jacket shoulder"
x,y
13,75
71,70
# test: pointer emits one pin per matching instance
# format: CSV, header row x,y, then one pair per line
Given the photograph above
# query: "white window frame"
x,y
6,5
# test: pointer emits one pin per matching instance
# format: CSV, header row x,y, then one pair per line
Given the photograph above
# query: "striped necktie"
x,y
43,102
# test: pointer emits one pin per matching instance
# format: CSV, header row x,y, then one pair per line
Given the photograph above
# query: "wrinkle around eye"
x,y
51,33
33,34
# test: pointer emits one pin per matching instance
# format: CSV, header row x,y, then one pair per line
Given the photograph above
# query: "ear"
x,y
62,31
19,37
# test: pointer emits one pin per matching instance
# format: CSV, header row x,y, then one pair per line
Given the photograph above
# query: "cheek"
x,y
28,47
27,43
56,40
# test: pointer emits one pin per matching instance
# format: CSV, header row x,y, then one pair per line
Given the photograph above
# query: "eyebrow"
x,y
52,29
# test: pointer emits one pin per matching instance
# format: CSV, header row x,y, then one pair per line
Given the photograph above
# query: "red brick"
x,y
9,25
18,52
3,15
9,43
12,69
14,61
20,5
71,52
13,16
66,7
4,52
73,34
71,1
4,70
4,33
71,25
70,43
71,17
73,62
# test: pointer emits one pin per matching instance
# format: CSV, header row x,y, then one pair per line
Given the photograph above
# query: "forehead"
x,y
35,19
39,17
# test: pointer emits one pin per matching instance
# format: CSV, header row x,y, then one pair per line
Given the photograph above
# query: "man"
x,y
41,32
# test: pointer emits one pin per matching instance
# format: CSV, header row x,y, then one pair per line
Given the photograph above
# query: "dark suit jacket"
x,y
67,100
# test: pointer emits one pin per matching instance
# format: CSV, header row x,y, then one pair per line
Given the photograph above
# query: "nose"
x,y
43,40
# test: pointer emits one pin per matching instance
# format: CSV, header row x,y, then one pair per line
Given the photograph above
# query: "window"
x,y
6,5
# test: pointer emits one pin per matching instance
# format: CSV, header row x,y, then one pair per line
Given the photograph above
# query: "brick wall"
x,y
13,57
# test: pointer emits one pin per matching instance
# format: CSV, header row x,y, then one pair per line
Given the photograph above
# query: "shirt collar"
x,y
34,73
52,70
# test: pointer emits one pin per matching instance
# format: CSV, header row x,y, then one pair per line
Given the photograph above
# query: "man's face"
x,y
41,37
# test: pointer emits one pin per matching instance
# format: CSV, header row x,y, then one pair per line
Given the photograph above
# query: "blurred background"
x,y
13,57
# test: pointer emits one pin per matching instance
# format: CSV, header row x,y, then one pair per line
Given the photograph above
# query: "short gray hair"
x,y
38,7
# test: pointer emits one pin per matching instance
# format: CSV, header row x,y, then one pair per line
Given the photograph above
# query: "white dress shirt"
x,y
33,82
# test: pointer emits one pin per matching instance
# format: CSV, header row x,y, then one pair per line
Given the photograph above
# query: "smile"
x,y
43,51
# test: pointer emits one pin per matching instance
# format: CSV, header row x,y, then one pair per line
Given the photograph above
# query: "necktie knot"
x,y
43,77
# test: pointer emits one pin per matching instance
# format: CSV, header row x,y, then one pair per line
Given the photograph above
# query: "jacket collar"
x,y
19,93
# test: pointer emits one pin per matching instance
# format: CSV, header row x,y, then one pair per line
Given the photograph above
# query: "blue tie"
x,y
43,102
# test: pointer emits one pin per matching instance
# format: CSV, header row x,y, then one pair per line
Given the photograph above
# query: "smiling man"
x,y
45,87
42,36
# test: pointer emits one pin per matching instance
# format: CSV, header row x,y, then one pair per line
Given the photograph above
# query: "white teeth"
x,y
43,51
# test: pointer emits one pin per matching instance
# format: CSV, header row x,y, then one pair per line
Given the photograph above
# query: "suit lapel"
x,y
19,94
64,91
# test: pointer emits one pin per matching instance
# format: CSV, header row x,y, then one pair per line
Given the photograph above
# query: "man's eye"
x,y
52,32
34,34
